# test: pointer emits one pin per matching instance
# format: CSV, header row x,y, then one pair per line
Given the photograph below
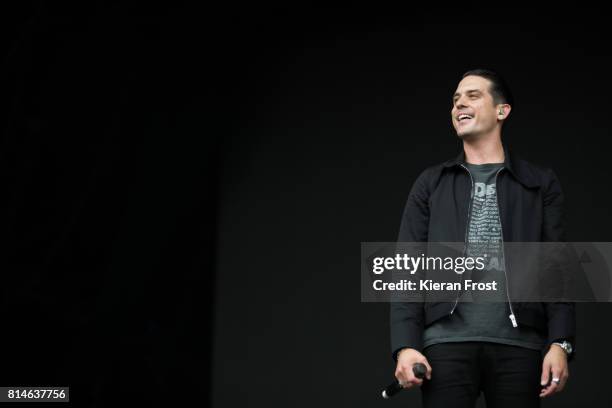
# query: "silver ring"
x,y
556,380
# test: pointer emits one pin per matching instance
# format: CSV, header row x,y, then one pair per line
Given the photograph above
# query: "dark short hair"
x,y
499,88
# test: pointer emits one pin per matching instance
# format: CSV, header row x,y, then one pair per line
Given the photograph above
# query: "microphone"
x,y
419,370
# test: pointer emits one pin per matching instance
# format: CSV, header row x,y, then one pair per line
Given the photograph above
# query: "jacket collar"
x,y
513,164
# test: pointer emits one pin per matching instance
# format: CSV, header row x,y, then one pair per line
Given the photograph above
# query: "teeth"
x,y
461,117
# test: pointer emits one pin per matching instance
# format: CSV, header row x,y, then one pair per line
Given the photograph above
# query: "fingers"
x,y
557,382
406,382
406,377
548,390
403,379
548,385
545,373
418,381
562,374
412,380
405,365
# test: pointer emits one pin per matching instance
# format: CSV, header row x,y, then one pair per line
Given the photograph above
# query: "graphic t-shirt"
x,y
484,315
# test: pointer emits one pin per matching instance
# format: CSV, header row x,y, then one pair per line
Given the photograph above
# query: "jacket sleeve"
x,y
407,318
561,316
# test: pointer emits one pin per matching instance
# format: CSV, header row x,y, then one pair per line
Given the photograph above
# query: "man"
x,y
514,353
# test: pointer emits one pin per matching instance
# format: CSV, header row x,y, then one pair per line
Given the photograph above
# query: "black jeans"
x,y
508,376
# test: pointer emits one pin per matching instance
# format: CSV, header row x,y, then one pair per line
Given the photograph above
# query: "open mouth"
x,y
464,118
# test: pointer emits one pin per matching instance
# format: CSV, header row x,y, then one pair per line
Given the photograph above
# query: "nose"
x,y
460,102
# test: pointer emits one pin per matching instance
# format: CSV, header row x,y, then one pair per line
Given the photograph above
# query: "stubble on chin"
x,y
468,136
463,136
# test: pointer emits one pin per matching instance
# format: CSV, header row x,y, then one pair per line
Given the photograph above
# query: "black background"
x,y
187,187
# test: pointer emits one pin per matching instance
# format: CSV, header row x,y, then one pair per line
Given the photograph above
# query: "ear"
x,y
503,111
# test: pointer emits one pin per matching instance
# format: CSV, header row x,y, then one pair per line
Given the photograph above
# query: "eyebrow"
x,y
469,91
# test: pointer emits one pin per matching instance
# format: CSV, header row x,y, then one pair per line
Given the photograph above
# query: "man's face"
x,y
474,113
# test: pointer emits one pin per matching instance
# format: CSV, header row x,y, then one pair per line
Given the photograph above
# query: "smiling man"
x,y
514,353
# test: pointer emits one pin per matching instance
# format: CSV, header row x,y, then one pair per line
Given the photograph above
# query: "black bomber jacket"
x,y
531,210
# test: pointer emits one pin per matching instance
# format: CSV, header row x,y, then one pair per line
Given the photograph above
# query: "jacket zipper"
x,y
512,316
467,225
501,230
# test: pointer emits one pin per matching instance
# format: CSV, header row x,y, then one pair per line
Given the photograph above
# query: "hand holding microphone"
x,y
412,368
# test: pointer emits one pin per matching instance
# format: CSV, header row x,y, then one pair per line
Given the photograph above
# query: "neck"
x,y
484,150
